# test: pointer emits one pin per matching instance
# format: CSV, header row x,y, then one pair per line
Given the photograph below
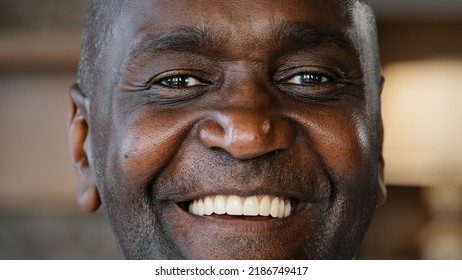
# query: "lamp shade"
x,y
422,114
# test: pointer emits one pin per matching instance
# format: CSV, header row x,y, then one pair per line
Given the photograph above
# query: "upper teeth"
x,y
235,205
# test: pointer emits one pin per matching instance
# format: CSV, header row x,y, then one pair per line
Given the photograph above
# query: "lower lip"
x,y
241,223
250,218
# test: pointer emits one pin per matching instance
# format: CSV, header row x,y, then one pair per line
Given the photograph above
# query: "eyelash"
x,y
177,87
320,84
169,81
320,79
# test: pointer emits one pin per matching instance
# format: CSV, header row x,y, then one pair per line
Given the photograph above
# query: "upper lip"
x,y
298,193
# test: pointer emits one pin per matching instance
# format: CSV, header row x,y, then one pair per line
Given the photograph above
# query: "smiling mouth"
x,y
236,206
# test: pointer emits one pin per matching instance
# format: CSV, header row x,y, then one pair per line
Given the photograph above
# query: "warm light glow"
x,y
422,113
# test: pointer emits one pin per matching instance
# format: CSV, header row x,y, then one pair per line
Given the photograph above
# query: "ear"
x,y
381,84
79,142
381,189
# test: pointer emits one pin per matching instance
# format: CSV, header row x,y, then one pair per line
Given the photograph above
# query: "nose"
x,y
246,133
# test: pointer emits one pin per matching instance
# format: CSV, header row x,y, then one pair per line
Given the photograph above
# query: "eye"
x,y
307,79
181,82
178,87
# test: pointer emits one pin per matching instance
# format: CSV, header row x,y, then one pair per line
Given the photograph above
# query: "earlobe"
x,y
382,84
87,196
382,189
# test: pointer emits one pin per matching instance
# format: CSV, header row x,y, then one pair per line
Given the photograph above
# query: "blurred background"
x,y
421,52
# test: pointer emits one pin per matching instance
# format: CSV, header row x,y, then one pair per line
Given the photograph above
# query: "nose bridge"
x,y
248,91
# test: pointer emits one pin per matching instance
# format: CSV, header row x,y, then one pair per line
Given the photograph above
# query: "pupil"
x,y
178,81
310,79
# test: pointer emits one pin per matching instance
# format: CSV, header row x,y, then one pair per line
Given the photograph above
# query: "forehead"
x,y
238,11
240,19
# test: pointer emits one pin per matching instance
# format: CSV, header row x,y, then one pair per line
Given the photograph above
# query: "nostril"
x,y
218,150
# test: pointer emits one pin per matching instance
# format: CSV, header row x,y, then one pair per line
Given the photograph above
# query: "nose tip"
x,y
246,135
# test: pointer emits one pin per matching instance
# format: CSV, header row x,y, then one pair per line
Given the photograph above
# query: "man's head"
x,y
230,129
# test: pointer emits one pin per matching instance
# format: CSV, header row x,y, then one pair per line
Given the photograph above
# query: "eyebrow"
x,y
305,34
182,38
208,39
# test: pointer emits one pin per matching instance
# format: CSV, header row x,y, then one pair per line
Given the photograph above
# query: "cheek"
x,y
342,147
145,144
341,139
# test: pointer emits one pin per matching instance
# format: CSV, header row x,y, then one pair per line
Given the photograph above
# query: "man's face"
x,y
235,130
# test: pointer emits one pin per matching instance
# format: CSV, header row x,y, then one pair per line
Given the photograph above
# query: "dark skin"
x,y
245,98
